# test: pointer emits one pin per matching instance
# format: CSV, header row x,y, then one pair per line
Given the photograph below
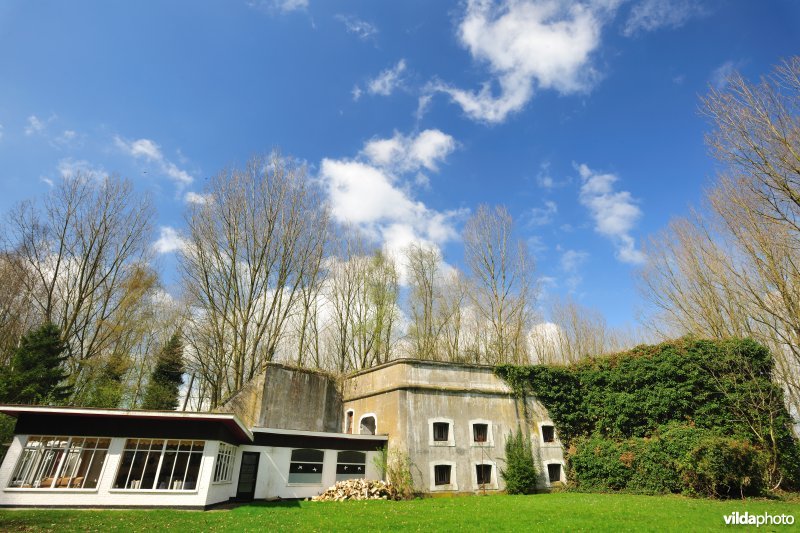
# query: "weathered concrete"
x,y
285,397
408,396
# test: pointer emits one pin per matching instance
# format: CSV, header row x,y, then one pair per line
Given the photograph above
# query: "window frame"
x,y
306,483
453,485
349,418
62,460
157,475
348,464
361,419
542,442
492,485
489,433
562,470
451,432
224,464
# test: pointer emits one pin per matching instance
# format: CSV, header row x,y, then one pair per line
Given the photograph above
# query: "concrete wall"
x,y
408,396
289,398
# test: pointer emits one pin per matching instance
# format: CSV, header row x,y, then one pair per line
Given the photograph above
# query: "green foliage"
x,y
109,388
724,387
721,466
167,377
6,434
681,459
36,372
398,473
520,472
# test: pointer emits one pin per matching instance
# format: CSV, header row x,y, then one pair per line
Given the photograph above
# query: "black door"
x,y
247,477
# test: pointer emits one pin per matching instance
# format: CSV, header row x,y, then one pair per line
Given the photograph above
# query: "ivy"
x,y
724,387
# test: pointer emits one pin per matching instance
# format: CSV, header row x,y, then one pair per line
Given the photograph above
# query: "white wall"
x,y
104,495
273,473
271,482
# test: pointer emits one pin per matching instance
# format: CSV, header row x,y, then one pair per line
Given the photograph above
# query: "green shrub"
x,y
597,464
520,472
724,467
678,459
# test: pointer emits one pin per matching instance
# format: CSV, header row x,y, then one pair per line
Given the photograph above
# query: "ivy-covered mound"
x,y
691,416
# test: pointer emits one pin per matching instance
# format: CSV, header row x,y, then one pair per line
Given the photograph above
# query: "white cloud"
x,y
527,45
356,93
374,192
388,80
1,132
615,213
281,6
572,259
540,216
720,75
361,28
35,125
408,153
150,151
195,198
169,241
650,15
69,168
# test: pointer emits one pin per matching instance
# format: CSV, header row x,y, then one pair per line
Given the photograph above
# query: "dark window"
x,y
306,466
480,432
554,472
160,464
548,434
441,431
350,465
367,425
484,474
60,462
441,474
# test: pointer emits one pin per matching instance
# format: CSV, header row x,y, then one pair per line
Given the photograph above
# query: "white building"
x,y
290,433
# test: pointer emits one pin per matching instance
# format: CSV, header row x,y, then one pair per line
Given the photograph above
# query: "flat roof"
x,y
328,434
227,419
420,362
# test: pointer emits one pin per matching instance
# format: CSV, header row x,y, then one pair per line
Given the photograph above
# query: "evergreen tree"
x,y
109,387
167,377
36,372
520,473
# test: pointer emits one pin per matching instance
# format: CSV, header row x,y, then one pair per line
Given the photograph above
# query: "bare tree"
x,y
81,249
503,296
733,270
450,317
16,314
249,250
422,264
362,291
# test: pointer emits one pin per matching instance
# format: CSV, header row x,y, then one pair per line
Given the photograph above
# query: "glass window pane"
x,y
192,471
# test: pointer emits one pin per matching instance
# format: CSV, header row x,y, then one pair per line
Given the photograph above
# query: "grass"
x,y
543,512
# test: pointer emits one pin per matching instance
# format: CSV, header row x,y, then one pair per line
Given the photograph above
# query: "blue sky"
x,y
582,118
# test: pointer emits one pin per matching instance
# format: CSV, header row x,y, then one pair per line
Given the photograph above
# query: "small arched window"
x,y
367,425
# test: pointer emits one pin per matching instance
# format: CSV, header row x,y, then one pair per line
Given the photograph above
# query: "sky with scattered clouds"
x,y
581,117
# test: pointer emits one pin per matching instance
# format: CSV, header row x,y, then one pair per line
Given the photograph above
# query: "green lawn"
x,y
544,512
